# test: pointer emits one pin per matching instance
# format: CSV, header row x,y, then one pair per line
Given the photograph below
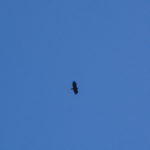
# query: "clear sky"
x,y
104,45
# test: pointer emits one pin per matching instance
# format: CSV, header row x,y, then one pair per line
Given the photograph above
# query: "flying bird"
x,y
74,87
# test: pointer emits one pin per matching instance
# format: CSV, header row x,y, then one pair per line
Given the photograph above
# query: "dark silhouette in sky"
x,y
74,87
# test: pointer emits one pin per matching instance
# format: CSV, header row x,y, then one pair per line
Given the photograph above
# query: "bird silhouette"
x,y
74,87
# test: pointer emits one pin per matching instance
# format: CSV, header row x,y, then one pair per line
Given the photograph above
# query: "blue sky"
x,y
104,45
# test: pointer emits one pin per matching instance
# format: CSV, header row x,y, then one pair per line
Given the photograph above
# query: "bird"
x,y
74,87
